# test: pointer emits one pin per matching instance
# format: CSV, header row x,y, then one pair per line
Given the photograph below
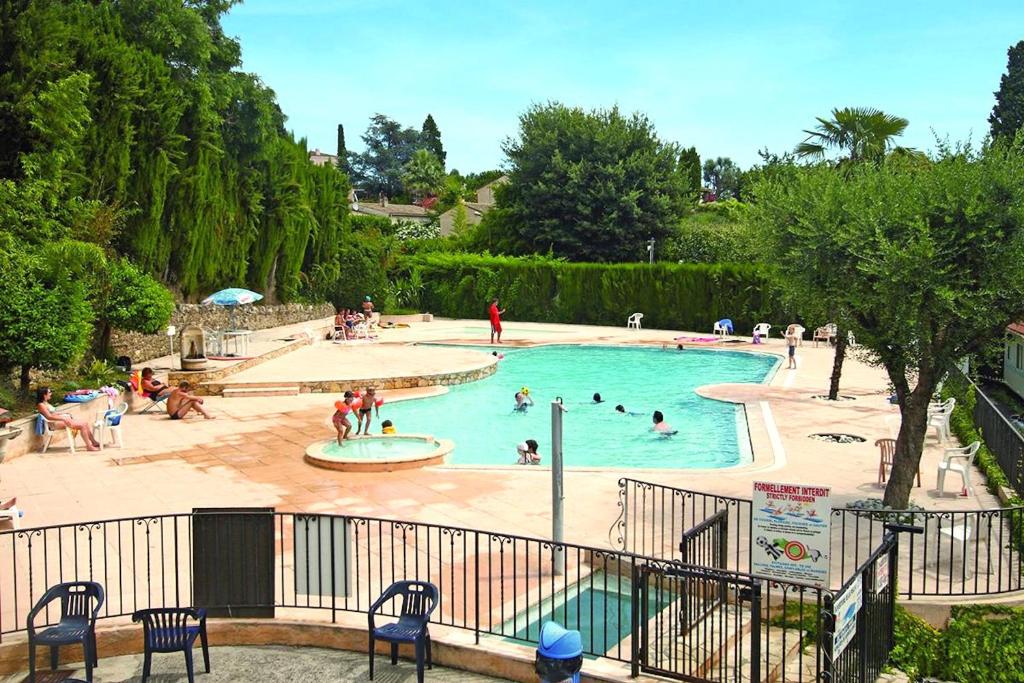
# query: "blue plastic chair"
x,y
77,624
166,629
419,599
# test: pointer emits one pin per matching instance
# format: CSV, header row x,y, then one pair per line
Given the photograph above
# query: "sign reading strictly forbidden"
x,y
791,530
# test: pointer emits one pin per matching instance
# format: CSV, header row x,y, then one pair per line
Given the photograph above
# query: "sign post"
x,y
557,487
791,532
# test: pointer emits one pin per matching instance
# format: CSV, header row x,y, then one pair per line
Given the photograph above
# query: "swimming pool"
x,y
479,418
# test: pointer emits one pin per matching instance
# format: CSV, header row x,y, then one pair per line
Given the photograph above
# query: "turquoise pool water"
x,y
479,416
378,449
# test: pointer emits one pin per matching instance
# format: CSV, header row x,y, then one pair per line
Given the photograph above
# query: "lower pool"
x,y
480,419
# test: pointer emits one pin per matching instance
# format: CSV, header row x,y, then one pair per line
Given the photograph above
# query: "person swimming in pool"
x,y
621,409
661,427
523,400
598,399
527,453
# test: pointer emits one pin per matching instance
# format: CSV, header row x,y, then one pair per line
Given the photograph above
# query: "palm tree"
x,y
863,133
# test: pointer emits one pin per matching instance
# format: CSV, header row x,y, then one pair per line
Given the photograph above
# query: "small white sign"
x,y
881,573
846,607
791,532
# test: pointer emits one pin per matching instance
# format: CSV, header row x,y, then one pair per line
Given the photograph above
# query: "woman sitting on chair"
x,y
45,409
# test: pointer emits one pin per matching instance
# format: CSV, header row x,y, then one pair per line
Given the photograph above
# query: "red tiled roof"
x,y
1016,327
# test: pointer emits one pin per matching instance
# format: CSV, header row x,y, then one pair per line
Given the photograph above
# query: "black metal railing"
x,y
866,651
1001,437
970,552
653,518
490,583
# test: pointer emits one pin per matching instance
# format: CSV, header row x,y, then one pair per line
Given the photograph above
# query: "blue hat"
x,y
559,643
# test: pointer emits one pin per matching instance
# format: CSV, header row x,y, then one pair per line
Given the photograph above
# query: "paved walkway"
x,y
264,664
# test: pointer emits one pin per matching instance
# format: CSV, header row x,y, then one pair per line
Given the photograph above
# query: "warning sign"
x,y
791,527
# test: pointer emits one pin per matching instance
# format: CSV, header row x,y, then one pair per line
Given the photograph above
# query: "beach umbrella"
x,y
231,298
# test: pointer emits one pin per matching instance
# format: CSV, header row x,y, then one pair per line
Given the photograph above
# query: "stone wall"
x,y
141,347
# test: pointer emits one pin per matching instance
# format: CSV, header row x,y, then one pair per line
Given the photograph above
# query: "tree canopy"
x,y
723,176
1008,114
423,175
430,137
857,133
920,255
590,186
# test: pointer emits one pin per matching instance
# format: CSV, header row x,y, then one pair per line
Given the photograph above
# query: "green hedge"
x,y
982,644
671,296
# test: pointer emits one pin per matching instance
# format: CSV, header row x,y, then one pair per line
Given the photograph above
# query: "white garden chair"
x,y
958,460
939,416
13,514
825,334
54,427
110,422
720,329
761,330
633,321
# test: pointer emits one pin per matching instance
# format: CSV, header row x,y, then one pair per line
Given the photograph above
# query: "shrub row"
x,y
982,644
671,296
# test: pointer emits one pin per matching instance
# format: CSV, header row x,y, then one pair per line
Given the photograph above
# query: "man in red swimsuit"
x,y
495,315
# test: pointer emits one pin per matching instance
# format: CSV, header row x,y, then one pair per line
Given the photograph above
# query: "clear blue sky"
x,y
728,78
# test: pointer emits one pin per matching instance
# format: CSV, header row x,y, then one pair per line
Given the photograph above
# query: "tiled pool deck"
x,y
252,454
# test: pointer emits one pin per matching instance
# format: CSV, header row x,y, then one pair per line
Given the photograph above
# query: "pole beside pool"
x,y
557,487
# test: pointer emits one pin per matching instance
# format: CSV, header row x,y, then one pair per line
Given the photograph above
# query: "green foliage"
x,y
912,254
918,648
135,115
589,186
1008,113
45,318
134,301
430,138
961,423
689,297
423,175
718,232
723,176
861,133
342,151
803,616
689,166
981,644
389,147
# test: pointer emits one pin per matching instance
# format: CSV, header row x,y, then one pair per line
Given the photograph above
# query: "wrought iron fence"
x,y
972,552
1001,436
691,622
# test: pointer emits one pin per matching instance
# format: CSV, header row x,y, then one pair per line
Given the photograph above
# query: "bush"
x,y
671,296
918,649
713,235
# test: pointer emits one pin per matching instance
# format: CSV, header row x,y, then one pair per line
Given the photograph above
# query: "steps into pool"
x,y
260,389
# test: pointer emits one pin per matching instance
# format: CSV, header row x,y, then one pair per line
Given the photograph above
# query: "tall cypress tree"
x,y
689,166
1008,115
432,139
342,151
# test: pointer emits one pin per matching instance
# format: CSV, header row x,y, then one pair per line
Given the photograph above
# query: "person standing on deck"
x,y
495,316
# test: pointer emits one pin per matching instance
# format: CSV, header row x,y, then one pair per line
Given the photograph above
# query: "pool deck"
x,y
252,455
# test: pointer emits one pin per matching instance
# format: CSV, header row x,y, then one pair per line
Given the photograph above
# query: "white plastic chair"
x,y
633,321
361,330
939,416
824,333
110,421
13,514
761,330
55,427
960,535
958,460
720,329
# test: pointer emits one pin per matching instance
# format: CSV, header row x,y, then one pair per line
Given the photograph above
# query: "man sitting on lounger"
x,y
180,403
